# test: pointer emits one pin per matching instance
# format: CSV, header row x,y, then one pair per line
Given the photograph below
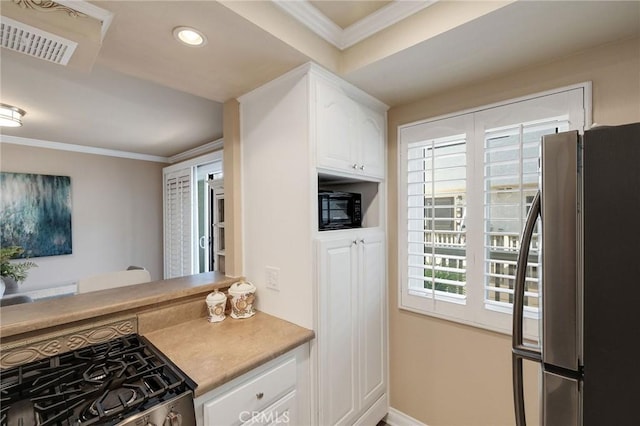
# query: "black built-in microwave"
x,y
339,210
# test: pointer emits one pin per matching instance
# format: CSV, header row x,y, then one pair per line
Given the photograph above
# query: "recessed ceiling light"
x,y
189,36
10,116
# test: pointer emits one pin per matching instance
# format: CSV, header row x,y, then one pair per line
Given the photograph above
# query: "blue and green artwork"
x,y
35,213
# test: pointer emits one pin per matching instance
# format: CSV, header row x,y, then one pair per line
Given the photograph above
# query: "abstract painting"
x,y
35,213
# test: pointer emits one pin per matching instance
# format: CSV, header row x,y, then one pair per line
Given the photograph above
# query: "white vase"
x,y
9,286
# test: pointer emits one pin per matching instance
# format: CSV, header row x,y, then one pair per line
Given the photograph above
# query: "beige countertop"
x,y
170,313
28,317
212,354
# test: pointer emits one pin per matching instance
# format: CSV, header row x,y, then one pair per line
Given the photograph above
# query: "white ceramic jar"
x,y
216,304
242,296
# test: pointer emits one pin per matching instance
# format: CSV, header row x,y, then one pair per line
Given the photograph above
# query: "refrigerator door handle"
x,y
520,350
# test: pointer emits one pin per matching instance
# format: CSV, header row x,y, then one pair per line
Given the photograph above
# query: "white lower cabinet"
x,y
282,412
351,325
269,395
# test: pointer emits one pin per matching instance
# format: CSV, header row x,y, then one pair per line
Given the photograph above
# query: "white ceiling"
x,y
148,94
511,38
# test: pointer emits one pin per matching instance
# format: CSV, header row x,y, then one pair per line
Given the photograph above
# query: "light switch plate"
x,y
273,278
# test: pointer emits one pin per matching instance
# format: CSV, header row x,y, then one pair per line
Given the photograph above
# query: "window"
x,y
466,184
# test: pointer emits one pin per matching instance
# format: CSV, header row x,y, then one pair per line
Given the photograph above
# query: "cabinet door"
x,y
372,316
337,332
371,146
335,128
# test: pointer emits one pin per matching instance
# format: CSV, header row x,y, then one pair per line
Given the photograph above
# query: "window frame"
x,y
473,311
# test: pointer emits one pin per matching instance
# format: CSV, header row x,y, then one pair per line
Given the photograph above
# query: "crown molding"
x,y
200,150
39,143
313,19
381,19
317,22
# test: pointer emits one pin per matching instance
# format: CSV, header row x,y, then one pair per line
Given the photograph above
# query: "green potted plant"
x,y
12,273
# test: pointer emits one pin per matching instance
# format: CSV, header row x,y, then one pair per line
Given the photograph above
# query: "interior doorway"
x,y
210,185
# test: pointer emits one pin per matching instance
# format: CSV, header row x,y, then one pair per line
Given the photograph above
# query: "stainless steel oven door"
x,y
178,411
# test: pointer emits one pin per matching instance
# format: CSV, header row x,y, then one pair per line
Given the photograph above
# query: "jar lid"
x,y
242,287
216,297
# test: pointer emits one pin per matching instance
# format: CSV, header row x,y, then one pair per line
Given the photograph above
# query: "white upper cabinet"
x,y
349,135
335,127
371,136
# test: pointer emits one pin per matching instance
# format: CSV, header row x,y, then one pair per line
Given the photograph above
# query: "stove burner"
x,y
112,400
104,384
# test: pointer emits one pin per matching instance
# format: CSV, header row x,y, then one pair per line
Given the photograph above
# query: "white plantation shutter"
x,y
466,183
178,223
436,188
434,167
511,176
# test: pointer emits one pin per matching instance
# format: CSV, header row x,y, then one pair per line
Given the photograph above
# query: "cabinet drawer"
x,y
232,407
282,412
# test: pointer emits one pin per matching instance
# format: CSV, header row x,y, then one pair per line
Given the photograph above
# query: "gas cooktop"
x,y
120,382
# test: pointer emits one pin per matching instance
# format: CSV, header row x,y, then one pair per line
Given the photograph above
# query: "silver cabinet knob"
x,y
354,166
362,167
260,395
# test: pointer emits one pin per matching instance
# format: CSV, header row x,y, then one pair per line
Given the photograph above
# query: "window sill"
x,y
506,331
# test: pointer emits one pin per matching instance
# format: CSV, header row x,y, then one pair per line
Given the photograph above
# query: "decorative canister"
x,y
242,296
216,302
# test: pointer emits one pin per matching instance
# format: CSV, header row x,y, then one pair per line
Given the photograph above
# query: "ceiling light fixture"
x,y
10,116
189,36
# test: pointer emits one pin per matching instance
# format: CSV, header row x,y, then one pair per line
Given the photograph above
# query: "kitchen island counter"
x,y
53,313
212,354
171,314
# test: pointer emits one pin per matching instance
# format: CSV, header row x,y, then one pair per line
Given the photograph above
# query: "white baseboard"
x,y
398,418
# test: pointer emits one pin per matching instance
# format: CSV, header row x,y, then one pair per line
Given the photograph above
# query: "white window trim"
x,y
470,314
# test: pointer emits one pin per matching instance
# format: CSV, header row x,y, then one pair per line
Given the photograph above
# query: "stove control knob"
x,y
173,419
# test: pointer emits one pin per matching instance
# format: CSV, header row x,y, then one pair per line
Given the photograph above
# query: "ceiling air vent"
x,y
31,41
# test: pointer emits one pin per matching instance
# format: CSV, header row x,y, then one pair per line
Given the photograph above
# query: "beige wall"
x,y
232,185
447,374
116,212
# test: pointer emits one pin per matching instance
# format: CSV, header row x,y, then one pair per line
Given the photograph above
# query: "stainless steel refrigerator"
x,y
588,206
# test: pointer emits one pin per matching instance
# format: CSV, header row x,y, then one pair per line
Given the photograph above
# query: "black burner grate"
x,y
100,384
